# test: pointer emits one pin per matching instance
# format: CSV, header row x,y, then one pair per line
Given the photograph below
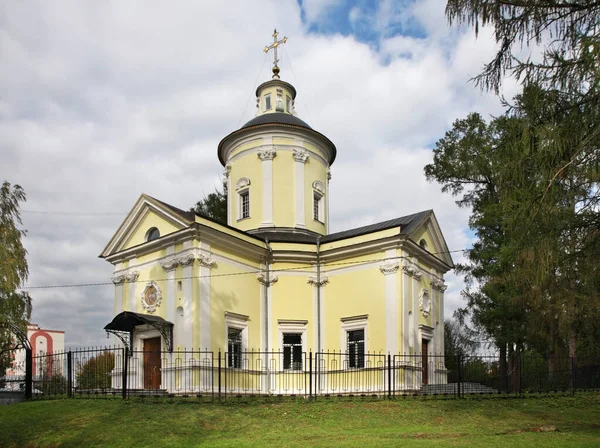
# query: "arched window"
x,y
423,244
242,187
318,201
152,234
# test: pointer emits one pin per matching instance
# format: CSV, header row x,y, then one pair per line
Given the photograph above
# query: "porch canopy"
x,y
123,325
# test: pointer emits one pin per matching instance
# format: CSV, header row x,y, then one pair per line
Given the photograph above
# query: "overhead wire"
x,y
255,83
296,268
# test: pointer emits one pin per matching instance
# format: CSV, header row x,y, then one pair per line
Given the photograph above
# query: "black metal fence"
x,y
115,372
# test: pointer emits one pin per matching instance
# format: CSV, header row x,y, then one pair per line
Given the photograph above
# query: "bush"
x,y
95,373
51,385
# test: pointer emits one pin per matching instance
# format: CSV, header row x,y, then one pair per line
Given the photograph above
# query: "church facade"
x,y
274,279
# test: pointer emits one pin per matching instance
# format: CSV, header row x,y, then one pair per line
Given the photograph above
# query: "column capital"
x,y
262,278
411,269
206,261
119,279
186,260
389,267
169,264
227,171
266,154
438,284
322,282
300,155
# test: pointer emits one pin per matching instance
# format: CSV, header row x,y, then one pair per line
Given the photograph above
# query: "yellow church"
x,y
274,285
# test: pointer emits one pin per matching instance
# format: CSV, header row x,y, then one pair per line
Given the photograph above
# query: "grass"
x,y
286,423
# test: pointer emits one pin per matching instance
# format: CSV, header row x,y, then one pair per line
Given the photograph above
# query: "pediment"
x,y
145,214
429,230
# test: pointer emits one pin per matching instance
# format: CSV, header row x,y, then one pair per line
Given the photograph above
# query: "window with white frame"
x,y
242,187
318,201
268,102
288,104
244,204
356,349
234,347
354,339
292,341
236,327
292,351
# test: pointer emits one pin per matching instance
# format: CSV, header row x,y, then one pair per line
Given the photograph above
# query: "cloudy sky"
x,y
103,101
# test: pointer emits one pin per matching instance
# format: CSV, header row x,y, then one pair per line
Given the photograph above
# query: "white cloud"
x,y
314,10
105,101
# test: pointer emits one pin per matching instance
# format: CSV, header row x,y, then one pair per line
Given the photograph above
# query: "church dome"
x,y
277,118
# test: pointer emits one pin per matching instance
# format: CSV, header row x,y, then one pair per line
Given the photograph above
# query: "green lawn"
x,y
333,422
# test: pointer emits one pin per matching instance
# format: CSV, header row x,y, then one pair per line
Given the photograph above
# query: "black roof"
x,y
189,215
277,118
406,223
128,320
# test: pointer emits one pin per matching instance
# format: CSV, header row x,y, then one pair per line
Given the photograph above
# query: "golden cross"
x,y
274,46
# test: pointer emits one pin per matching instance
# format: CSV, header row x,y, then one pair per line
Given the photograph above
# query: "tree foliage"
x,y
567,32
533,182
531,275
213,206
15,305
95,373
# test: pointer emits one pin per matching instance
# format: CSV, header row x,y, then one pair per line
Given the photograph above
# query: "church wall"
x,y
249,166
292,299
234,290
355,292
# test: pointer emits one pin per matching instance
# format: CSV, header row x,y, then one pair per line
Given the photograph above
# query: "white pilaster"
x,y
300,158
170,290
188,316
327,201
319,309
267,320
206,263
267,156
118,281
230,201
389,269
415,316
133,298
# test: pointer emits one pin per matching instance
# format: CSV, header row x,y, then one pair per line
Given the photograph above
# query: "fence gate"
x,y
15,362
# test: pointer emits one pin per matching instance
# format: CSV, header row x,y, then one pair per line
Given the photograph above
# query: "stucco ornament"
x,y
411,269
266,154
315,282
300,155
438,284
262,278
151,297
424,302
389,267
242,183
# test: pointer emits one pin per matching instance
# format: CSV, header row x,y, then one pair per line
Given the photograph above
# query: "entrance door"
x,y
152,363
425,360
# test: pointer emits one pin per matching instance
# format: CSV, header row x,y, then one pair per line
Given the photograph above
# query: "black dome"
x,y
277,118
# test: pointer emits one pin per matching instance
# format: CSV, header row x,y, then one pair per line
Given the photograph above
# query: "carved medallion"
x,y
424,302
151,297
